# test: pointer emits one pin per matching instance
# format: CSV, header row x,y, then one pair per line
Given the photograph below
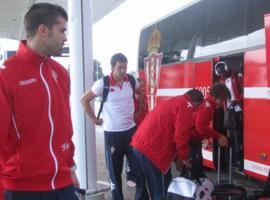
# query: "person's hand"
x,y
206,143
223,141
98,122
186,163
182,163
178,165
74,178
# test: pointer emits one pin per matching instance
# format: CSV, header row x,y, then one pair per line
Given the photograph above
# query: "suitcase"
x,y
228,191
259,195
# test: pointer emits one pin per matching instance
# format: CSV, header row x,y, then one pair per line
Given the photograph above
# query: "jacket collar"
x,y
27,54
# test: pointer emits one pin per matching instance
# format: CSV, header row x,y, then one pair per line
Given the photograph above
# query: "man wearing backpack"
x,y
117,109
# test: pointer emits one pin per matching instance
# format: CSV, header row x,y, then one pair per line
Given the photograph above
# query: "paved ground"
x,y
248,183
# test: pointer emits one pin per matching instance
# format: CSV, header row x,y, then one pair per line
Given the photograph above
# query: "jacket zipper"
x,y
15,126
51,123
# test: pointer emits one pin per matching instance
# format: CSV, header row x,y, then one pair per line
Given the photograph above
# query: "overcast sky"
x,y
119,31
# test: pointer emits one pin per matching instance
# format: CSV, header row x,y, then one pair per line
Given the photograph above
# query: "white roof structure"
x,y
12,12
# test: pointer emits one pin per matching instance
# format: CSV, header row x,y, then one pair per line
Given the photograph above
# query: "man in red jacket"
x,y
218,96
36,149
161,138
1,187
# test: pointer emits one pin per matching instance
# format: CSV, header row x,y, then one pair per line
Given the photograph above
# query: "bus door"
x,y
267,46
203,81
257,110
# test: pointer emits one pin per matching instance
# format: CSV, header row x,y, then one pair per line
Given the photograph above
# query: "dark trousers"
x,y
116,147
196,158
236,139
67,193
131,176
237,147
149,176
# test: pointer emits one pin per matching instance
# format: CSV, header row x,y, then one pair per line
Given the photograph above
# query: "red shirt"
x,y
1,192
1,186
164,133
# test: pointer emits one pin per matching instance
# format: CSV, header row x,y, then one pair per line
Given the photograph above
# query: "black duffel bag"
x,y
229,192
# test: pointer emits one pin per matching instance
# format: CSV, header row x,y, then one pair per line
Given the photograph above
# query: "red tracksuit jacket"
x,y
35,135
164,133
203,117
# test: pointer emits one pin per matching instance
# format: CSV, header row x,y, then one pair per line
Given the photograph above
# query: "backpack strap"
x,y
133,83
106,88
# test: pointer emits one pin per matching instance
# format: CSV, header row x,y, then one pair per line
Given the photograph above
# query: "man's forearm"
x,y
89,111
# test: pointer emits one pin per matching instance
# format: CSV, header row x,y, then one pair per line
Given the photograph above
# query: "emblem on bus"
x,y
153,43
152,65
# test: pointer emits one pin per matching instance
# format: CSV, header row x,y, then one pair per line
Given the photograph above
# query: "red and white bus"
x,y
178,52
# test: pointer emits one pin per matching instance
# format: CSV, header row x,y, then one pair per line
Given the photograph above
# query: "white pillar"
x,y
81,71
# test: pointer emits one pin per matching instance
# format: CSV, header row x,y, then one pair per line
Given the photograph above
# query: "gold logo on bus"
x,y
153,43
152,65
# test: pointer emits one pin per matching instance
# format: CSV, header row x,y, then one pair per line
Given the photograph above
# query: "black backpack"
x,y
106,89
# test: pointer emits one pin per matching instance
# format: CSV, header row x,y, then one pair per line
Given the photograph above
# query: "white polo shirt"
x,y
118,109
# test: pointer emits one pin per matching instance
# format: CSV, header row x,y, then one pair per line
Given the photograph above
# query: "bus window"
x,y
180,35
224,29
187,33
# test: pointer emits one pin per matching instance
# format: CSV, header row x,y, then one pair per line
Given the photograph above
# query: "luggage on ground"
x,y
181,189
228,191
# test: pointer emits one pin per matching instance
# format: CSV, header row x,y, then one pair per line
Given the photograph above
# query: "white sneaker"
x,y
131,183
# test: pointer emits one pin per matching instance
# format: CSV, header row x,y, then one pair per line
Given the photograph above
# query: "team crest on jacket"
x,y
54,75
189,105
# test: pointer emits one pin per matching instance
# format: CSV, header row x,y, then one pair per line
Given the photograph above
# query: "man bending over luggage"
x,y
161,137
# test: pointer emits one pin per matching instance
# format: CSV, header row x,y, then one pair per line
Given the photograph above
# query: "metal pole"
x,y
80,43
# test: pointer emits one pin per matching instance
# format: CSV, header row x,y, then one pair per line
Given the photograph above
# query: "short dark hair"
x,y
220,91
195,95
42,13
118,57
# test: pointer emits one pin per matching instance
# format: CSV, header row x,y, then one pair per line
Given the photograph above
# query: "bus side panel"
x,y
203,81
176,76
203,76
256,115
175,80
255,71
267,43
